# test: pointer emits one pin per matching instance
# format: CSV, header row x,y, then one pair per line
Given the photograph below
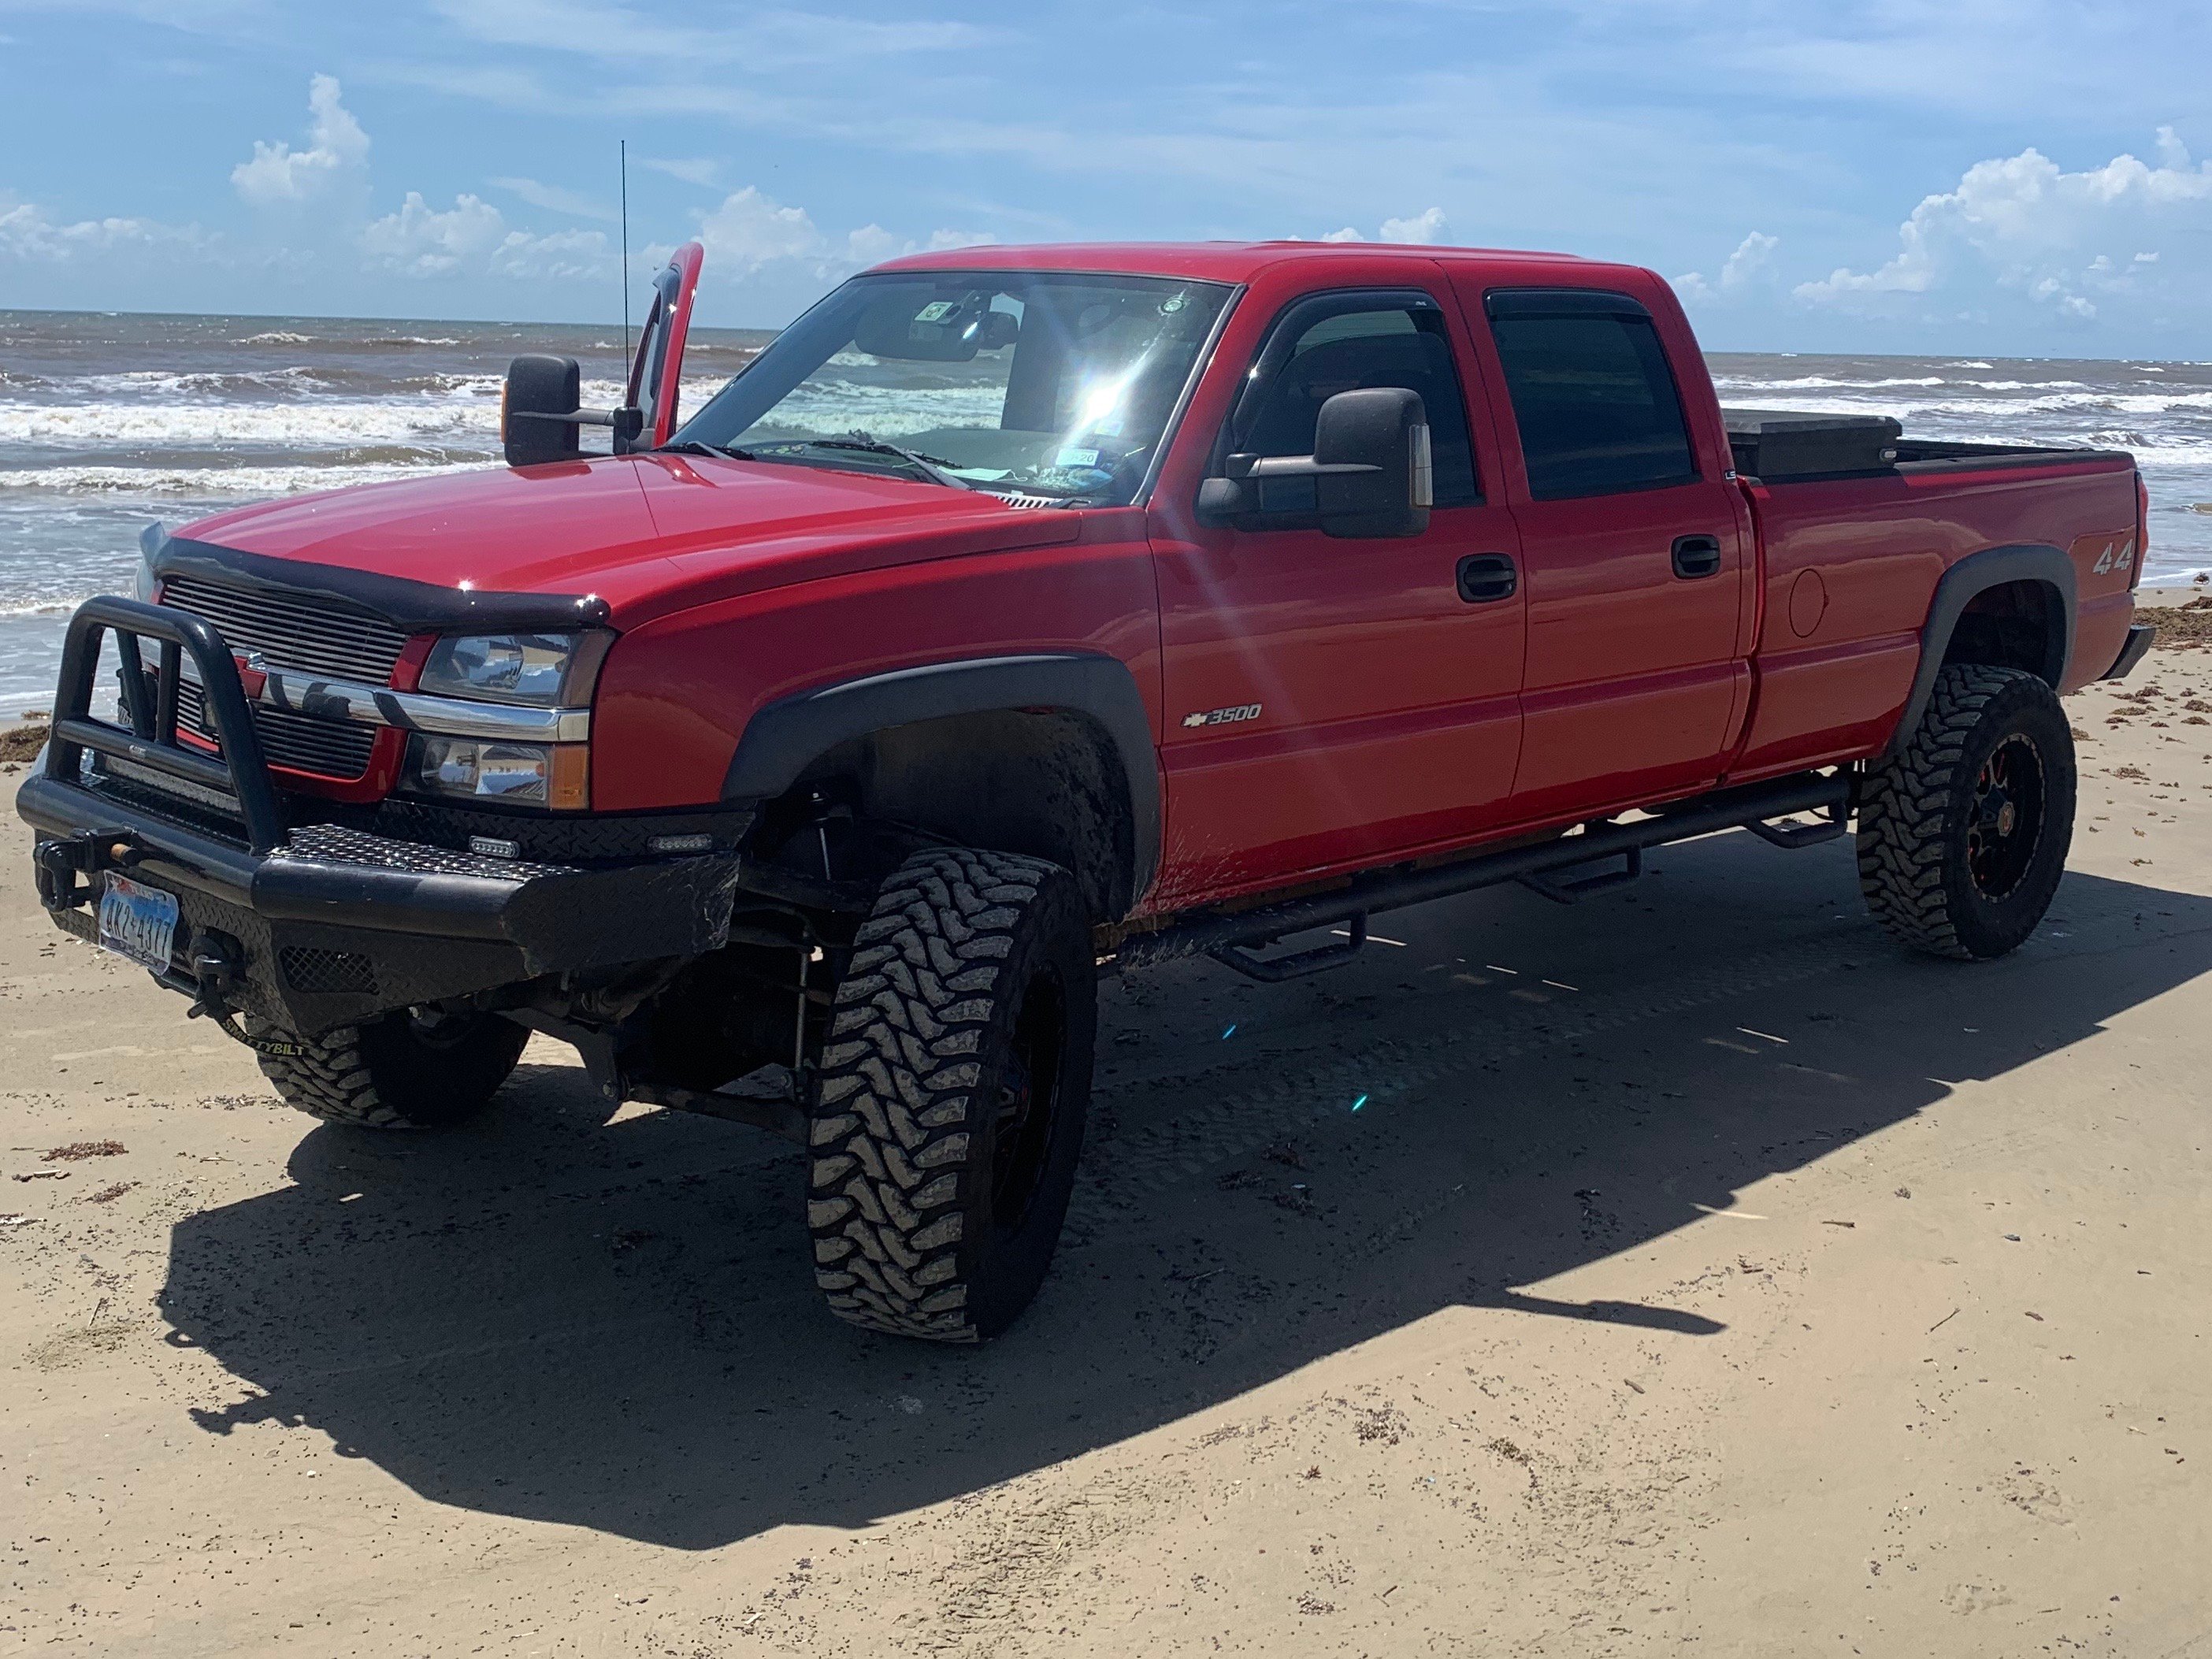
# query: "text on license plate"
x,y
136,921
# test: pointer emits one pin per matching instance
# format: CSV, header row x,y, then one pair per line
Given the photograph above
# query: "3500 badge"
x,y
1242,711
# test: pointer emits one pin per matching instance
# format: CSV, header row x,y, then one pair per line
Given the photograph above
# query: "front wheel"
x,y
949,1106
1964,832
408,1070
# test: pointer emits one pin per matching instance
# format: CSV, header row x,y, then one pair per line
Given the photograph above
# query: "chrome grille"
x,y
313,633
331,748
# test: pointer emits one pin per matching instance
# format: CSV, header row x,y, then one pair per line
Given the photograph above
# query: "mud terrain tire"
x,y
395,1073
1963,833
949,1106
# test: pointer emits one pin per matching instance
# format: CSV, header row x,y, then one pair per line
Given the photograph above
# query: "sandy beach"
x,y
1688,1270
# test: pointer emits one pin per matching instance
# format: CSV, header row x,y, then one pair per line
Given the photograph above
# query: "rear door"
x,y
1633,550
1332,700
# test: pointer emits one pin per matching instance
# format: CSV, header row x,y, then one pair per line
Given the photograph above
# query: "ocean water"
x,y
109,421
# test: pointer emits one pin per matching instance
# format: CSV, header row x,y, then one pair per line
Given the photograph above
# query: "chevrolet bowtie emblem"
x,y
252,672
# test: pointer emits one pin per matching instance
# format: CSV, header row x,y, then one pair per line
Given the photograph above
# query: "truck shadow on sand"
x,y
613,1326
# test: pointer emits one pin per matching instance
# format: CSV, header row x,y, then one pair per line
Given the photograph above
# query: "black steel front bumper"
x,y
315,925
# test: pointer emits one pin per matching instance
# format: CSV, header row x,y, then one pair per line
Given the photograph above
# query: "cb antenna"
x,y
625,253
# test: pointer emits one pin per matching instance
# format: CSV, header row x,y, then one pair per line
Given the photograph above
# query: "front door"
x,y
1634,554
1332,702
655,387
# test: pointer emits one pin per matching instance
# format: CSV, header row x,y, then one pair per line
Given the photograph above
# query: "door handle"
x,y
1486,578
1697,556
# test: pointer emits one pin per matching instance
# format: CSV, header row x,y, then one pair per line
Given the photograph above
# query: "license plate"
x,y
137,922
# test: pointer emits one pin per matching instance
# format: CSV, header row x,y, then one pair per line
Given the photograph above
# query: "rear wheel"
x,y
949,1107
409,1070
1963,833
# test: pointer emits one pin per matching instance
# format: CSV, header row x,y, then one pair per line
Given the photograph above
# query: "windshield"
x,y
1021,383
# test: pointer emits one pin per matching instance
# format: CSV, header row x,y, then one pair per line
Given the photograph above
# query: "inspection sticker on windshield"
x,y
137,922
1076,458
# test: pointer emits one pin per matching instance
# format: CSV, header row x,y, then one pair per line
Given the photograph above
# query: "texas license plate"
x,y
137,922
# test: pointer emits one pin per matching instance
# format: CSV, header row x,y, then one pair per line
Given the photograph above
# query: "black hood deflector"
x,y
411,606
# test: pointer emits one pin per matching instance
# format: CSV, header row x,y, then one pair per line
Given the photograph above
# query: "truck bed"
x,y
1850,563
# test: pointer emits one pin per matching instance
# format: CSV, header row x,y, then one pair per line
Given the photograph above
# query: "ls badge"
x,y
1242,711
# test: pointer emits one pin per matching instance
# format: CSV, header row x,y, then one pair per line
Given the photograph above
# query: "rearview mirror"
x,y
944,329
537,410
1370,470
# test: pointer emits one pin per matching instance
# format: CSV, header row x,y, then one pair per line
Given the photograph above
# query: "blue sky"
x,y
1887,176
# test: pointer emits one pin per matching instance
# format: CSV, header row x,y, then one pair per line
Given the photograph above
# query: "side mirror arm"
x,y
1223,499
627,423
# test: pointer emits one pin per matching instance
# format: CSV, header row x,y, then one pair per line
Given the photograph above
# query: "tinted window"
x,y
1351,351
1594,401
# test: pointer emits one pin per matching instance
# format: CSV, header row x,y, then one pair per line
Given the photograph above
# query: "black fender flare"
x,y
1958,587
783,739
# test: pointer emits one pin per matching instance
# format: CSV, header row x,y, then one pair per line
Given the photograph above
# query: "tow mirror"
x,y
1369,474
538,413
539,417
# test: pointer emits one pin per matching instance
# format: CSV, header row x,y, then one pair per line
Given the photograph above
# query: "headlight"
x,y
143,581
533,668
555,775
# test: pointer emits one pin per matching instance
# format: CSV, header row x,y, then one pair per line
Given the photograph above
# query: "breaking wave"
x,y
216,482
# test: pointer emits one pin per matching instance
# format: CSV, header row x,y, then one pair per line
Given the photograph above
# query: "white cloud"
x,y
28,232
556,199
1428,227
471,238
1753,260
2026,225
278,173
700,170
419,240
750,230
503,86
749,233
871,245
754,232
761,39
563,255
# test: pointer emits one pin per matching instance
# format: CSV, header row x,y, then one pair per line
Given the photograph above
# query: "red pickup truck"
x,y
1023,614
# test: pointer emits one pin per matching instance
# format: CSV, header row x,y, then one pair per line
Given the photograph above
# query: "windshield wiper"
x,y
693,447
935,468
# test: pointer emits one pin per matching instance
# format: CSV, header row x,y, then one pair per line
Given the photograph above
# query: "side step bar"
x,y
1231,940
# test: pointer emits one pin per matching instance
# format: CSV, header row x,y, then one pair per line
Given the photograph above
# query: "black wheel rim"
x,y
1029,1100
433,1029
2006,823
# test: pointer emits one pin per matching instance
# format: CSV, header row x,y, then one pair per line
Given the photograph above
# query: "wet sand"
x,y
1696,1271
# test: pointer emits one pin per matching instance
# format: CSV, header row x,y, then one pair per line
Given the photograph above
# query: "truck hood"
x,y
647,534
